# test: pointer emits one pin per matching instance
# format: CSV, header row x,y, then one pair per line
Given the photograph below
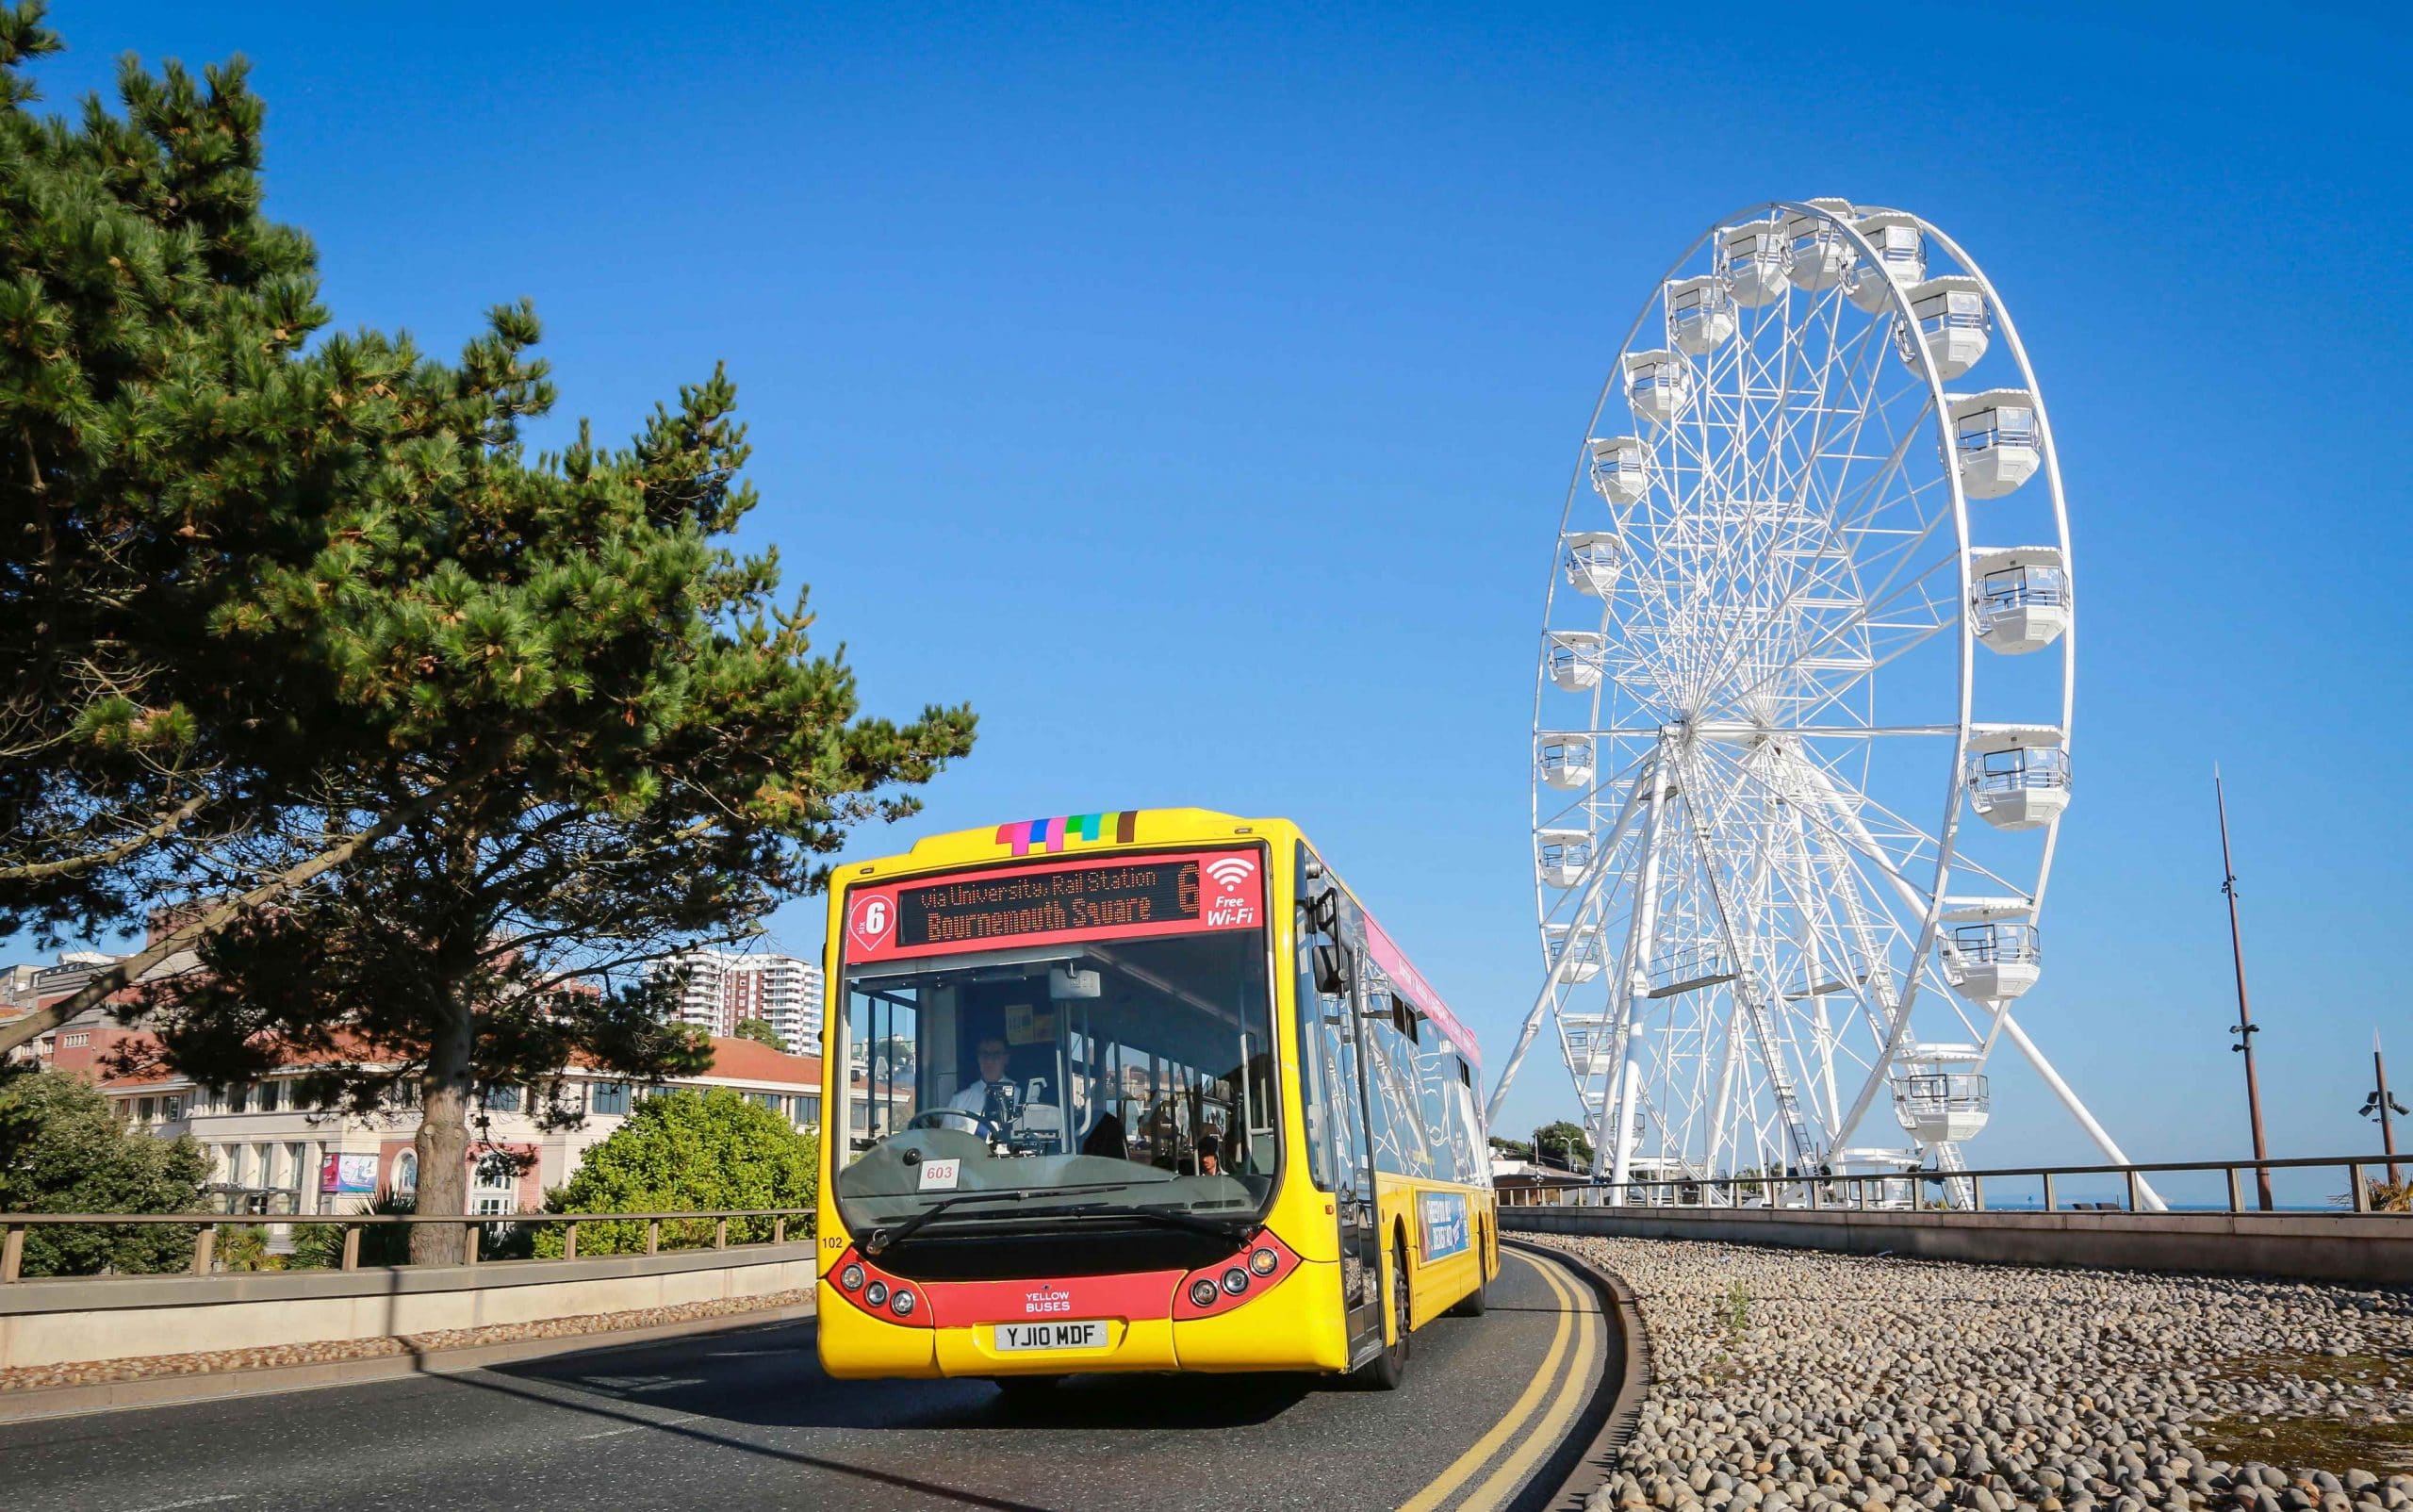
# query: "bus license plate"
x,y
1051,1336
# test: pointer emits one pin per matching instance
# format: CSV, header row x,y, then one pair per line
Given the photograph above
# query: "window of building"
x,y
767,1100
146,1109
496,1190
270,1094
80,1037
406,1172
234,1162
239,1097
297,1166
500,1099
609,1097
171,1108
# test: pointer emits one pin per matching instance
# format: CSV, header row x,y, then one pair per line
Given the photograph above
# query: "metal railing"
x,y
1882,1190
13,1228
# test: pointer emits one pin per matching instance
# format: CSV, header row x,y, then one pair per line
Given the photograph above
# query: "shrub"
x,y
685,1151
243,1247
319,1247
68,1152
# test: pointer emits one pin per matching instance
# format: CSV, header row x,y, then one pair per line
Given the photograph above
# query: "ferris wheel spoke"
x,y
1814,800
1860,610
1864,618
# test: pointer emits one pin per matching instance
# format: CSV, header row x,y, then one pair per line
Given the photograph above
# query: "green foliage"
x,y
1737,1313
686,1151
244,1247
270,587
1562,1144
1512,1149
319,1247
760,1032
168,450
17,1124
77,1156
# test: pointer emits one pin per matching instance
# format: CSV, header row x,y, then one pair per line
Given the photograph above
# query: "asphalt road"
x,y
747,1420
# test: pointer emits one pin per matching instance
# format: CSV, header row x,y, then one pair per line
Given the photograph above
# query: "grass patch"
x,y
2316,1443
2322,1443
2334,1369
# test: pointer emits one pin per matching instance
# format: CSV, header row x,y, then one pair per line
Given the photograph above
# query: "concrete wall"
x,y
62,1321
2306,1247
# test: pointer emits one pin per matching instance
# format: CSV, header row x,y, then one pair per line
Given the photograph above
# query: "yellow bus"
x,y
1145,1091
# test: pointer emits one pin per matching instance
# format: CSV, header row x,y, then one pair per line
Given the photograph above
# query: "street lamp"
x,y
2380,1105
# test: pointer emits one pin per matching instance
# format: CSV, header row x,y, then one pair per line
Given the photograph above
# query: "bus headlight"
x,y
876,1293
1201,1292
901,1303
851,1279
1263,1262
1236,1280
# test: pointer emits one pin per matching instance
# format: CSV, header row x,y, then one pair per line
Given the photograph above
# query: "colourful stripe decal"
x,y
1052,834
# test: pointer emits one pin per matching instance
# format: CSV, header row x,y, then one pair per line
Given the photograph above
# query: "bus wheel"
x,y
1387,1370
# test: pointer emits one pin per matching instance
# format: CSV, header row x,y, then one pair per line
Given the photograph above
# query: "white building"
x,y
271,1155
726,987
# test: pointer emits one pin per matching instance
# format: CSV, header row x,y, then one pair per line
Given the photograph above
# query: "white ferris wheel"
x,y
1801,727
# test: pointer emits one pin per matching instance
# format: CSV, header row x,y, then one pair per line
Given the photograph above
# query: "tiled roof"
x,y
736,1059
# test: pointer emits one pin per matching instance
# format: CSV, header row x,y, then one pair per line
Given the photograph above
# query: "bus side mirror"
x,y
1332,970
1323,912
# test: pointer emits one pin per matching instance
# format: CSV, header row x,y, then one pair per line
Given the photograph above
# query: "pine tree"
x,y
449,739
638,750
167,445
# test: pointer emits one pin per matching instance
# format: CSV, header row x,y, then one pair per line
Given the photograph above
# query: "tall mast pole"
x,y
2244,1027
2387,1129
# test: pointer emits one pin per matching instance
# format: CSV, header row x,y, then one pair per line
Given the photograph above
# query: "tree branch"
x,y
36,871
112,978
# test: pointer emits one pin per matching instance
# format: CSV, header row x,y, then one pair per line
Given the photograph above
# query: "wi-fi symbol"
x,y
1231,871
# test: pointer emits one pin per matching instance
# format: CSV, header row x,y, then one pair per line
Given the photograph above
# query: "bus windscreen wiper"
x,y
883,1238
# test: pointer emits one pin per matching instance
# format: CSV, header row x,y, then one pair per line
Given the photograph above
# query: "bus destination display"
x,y
1132,896
983,908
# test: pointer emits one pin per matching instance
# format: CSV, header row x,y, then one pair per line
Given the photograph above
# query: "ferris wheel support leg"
x,y
1617,1136
1726,1079
1603,851
2102,1137
1812,919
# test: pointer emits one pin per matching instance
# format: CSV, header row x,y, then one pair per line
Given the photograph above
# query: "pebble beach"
x,y
1794,1380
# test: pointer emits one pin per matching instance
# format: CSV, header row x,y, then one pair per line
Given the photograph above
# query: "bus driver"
x,y
991,1088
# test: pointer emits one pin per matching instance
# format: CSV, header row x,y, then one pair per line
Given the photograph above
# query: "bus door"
x,y
1338,1104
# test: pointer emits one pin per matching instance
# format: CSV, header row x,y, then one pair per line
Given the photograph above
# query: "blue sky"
x,y
1194,391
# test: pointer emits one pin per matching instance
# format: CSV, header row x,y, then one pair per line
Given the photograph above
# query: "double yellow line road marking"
x,y
1555,1395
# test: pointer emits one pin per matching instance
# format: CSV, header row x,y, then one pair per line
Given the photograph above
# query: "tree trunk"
x,y
443,1142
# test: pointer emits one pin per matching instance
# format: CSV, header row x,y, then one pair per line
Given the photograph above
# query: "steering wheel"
x,y
980,1125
